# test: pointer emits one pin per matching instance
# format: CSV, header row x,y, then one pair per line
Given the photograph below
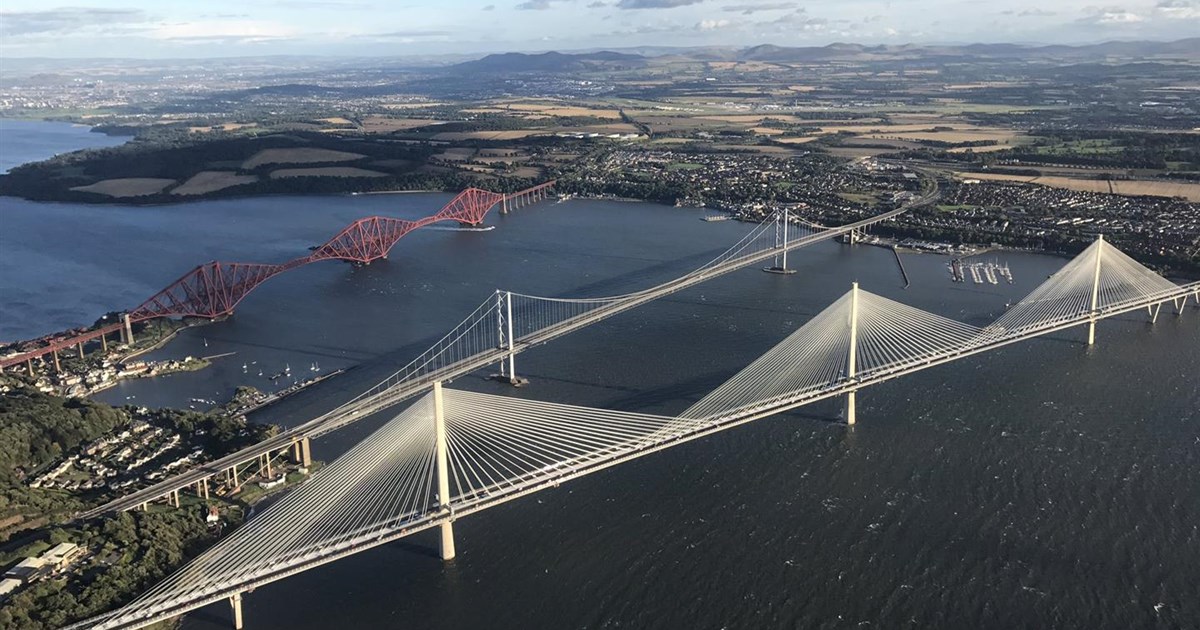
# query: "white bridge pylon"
x,y
453,453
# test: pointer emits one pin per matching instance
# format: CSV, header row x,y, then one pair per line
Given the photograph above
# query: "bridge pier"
x,y
128,329
1154,312
446,545
302,452
235,602
175,498
29,367
79,347
57,365
104,343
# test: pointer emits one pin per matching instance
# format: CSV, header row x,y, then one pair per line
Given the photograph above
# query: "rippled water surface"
x,y
1046,484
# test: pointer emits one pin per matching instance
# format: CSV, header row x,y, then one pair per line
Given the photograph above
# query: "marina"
x,y
981,272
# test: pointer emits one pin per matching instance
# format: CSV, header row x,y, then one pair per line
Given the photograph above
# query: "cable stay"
x,y
452,453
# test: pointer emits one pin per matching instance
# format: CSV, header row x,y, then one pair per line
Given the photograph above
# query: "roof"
x,y
61,549
29,563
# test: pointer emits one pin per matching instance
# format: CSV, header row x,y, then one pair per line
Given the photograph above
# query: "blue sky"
x,y
204,28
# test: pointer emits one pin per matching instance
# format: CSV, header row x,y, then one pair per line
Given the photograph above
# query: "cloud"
x,y
1029,13
799,20
711,25
1109,16
222,31
323,4
490,7
1179,9
655,4
748,9
67,20
415,34
535,5
597,5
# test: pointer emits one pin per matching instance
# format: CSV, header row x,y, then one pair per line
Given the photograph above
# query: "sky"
x,y
217,28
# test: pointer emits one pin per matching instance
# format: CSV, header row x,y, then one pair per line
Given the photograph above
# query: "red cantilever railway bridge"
x,y
213,289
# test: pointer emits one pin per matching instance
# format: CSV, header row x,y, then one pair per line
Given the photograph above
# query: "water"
x,y
1046,484
24,141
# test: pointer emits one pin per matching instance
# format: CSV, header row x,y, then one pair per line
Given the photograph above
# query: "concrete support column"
x,y
443,477
128,329
104,343
267,464
233,477
305,452
851,411
1154,312
504,205
80,348
29,366
1095,290
175,498
57,365
235,602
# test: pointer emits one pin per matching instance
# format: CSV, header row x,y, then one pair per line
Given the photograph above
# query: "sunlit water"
x,y
1046,484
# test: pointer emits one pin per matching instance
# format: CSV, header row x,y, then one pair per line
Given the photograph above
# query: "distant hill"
x,y
551,62
771,53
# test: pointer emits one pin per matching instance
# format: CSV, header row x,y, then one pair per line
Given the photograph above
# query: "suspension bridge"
x,y
215,288
504,325
453,453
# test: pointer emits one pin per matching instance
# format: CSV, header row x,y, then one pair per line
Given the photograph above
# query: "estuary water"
x,y
1046,484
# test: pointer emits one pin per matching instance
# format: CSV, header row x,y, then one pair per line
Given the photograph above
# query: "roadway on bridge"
x,y
499,448
394,391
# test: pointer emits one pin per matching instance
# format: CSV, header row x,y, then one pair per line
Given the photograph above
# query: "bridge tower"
x,y
504,326
781,242
443,472
852,358
1095,291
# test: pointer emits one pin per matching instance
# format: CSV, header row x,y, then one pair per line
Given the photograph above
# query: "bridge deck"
x,y
511,489
361,408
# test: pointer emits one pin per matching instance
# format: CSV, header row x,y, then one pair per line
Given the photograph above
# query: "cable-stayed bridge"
x,y
504,325
453,453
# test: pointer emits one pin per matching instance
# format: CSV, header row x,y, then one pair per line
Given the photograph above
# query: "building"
x,y
7,586
61,555
27,570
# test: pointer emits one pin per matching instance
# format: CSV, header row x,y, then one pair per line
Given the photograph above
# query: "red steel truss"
x,y
214,288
